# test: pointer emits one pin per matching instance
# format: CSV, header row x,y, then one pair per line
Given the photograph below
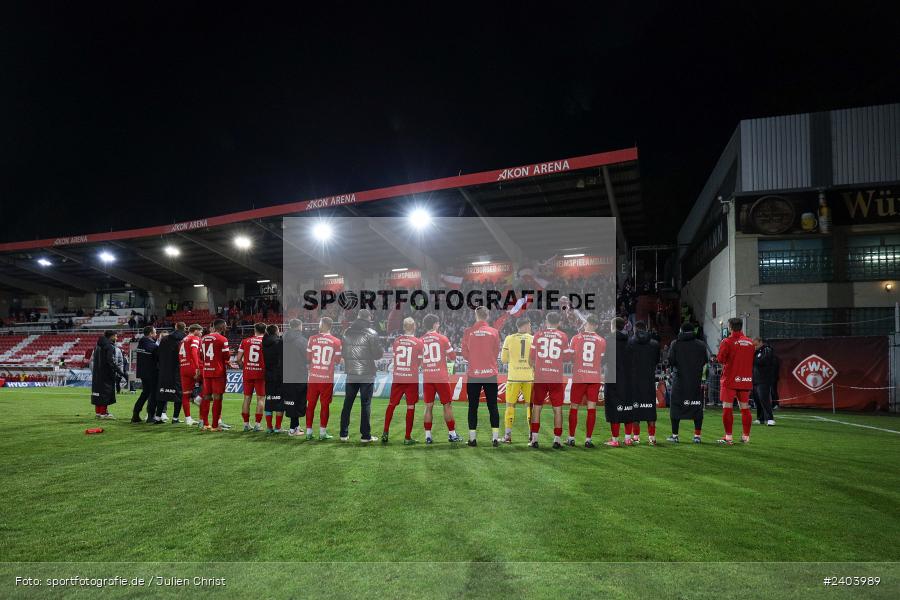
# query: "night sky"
x,y
142,115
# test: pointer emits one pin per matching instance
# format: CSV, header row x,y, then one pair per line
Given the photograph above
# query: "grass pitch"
x,y
808,490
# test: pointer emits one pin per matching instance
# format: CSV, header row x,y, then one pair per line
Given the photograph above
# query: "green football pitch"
x,y
816,496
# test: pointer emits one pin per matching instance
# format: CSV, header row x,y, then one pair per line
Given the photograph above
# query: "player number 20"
x,y
432,352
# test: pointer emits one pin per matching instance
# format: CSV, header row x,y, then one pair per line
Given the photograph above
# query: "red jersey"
x,y
586,351
407,351
216,354
736,354
254,363
323,351
436,352
549,350
480,347
189,355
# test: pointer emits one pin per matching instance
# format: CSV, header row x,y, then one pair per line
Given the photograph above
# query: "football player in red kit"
x,y
736,353
216,356
323,352
436,351
250,358
586,350
480,348
190,368
407,351
549,350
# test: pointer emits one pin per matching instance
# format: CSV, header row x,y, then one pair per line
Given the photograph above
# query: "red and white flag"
x,y
532,278
451,281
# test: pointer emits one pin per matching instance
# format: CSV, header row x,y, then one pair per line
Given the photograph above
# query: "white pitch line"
x,y
855,424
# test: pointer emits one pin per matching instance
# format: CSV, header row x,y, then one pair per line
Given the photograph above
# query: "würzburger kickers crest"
x,y
814,372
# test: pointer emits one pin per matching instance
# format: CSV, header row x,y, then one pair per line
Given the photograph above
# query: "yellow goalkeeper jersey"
x,y
516,348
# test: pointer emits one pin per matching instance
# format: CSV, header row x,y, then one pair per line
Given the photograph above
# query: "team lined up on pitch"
x,y
293,375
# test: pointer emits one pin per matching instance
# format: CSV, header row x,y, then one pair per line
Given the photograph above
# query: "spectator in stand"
x,y
132,322
105,374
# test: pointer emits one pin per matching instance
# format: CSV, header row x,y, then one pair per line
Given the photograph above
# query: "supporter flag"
x,y
518,309
453,282
531,277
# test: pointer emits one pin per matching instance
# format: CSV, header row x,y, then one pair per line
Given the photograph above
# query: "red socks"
x,y
697,432
427,425
204,411
311,412
269,420
245,417
628,428
746,420
573,421
324,413
388,416
651,428
98,409
186,405
410,417
636,428
557,431
614,427
728,419
451,425
217,411
591,421
278,419
259,418
535,427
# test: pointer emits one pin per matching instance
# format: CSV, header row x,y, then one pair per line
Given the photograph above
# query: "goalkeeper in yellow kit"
x,y
516,349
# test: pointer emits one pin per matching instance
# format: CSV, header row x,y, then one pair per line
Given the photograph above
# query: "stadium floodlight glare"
x,y
481,262
242,242
263,280
107,257
172,251
400,269
199,285
322,232
332,275
573,255
44,262
420,218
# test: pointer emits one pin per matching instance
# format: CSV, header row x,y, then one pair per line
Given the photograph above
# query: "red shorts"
x,y
728,395
319,390
410,390
255,385
555,391
442,390
213,385
588,391
187,384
